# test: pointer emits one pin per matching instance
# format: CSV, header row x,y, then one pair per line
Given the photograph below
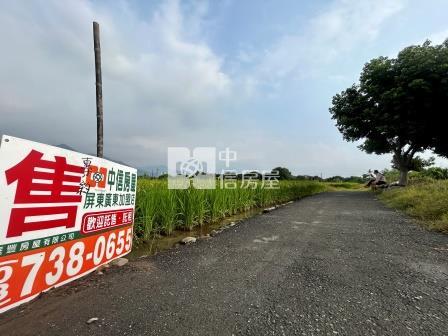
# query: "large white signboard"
x,y
62,214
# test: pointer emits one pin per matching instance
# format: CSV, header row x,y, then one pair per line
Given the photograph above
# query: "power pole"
x,y
99,90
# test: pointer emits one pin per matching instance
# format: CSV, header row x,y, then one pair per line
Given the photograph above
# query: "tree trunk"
x,y
403,176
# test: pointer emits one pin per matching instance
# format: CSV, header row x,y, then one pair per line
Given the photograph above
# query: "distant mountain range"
x,y
64,146
147,170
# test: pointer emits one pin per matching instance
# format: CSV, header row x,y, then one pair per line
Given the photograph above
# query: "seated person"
x,y
380,179
371,177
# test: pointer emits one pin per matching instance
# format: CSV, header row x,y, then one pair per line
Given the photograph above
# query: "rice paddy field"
x,y
160,210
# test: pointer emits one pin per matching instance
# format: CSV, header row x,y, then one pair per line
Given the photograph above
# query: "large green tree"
x,y
399,106
283,173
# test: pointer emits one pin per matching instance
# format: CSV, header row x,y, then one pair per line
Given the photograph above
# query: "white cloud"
x,y
159,77
345,25
164,85
439,37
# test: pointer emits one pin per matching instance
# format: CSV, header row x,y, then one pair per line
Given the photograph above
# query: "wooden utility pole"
x,y
99,90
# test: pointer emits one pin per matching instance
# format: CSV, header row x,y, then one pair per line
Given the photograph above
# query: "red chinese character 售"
x,y
43,181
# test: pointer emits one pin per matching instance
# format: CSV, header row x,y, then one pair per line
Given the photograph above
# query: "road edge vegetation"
x,y
425,199
161,211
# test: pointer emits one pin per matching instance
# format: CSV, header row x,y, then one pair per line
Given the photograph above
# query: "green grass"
x,y
425,199
160,210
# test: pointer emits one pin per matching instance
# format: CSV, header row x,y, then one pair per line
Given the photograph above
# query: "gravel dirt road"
x,y
333,264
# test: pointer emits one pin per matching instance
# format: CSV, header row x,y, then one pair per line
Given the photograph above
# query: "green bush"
x,y
425,199
436,173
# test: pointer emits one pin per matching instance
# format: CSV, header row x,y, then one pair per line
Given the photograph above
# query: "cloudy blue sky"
x,y
255,76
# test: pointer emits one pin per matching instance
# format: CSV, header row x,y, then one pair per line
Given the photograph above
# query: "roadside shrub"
x,y
425,199
436,173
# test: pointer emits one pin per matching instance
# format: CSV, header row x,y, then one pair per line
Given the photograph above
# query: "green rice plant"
x,y
167,210
200,206
146,211
160,210
216,204
186,201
